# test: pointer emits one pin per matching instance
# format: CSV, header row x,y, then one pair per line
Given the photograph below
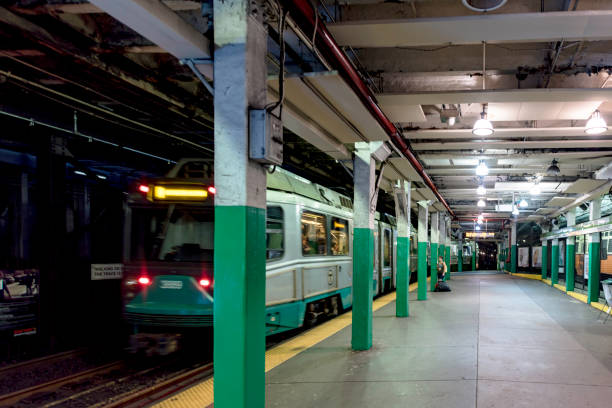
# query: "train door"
x,y
386,259
376,273
579,263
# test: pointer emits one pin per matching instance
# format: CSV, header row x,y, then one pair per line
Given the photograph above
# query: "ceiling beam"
x,y
484,144
88,8
492,28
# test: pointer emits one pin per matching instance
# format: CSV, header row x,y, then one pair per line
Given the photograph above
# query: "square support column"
x,y
364,203
570,253
474,254
240,208
447,248
460,253
433,250
554,259
402,213
442,237
513,251
544,254
594,253
422,252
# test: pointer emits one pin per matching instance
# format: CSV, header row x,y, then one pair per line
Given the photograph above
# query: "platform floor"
x,y
494,341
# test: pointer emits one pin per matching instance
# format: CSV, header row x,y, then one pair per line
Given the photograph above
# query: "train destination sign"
x,y
483,234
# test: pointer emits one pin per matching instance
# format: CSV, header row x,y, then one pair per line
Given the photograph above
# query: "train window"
x,y
274,233
339,236
387,249
314,237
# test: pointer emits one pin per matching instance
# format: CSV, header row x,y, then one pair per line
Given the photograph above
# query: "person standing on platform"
x,y
441,268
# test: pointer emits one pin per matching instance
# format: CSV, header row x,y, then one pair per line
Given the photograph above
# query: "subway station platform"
x,y
494,341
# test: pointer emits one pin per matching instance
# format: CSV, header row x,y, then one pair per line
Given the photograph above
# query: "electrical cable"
x,y
282,57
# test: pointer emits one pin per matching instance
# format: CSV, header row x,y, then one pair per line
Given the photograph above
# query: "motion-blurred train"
x,y
169,281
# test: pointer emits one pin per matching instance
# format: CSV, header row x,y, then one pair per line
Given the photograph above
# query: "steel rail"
x,y
42,360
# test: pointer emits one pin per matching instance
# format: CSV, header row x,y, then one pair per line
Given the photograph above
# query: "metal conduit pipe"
x,y
307,19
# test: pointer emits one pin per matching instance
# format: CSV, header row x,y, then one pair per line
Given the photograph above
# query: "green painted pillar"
x,y
433,250
422,254
570,253
240,222
544,258
364,175
460,255
447,252
513,253
401,192
594,253
474,254
554,262
442,237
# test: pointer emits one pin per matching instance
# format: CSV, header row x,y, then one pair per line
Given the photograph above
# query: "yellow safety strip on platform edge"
x,y
527,275
202,395
581,297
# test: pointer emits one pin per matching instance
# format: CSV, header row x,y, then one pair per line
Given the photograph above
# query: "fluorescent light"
x,y
481,190
596,124
523,203
101,176
80,173
481,217
477,228
482,169
481,203
535,189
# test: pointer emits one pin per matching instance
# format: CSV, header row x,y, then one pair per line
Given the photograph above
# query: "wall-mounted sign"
x,y
106,271
482,234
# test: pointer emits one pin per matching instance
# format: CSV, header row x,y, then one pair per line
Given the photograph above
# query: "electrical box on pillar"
x,y
265,137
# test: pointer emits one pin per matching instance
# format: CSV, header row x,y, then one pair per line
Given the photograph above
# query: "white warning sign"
x,y
106,271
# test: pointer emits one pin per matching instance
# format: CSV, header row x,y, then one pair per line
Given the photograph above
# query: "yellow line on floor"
x,y
547,281
527,275
202,394
560,287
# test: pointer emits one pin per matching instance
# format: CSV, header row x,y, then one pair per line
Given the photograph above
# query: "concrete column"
x,y
402,212
498,256
422,254
433,250
570,253
460,253
442,237
240,207
513,253
544,254
474,254
594,253
364,175
554,259
447,248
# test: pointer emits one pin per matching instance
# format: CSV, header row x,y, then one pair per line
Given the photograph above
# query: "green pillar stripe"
x,y
570,267
422,271
474,256
239,306
513,259
447,251
402,280
433,261
363,261
554,265
544,261
459,258
594,269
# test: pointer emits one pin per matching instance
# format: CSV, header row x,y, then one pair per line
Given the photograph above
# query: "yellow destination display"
x,y
178,193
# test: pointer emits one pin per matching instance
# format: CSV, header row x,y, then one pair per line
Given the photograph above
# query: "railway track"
x,y
50,359
49,386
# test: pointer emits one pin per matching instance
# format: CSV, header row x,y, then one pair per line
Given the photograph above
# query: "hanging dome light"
x,y
483,127
523,203
482,169
481,190
481,203
481,217
479,222
515,211
477,228
596,124
535,189
553,168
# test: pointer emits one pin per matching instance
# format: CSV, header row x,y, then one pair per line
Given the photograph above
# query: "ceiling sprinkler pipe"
x,y
302,12
483,8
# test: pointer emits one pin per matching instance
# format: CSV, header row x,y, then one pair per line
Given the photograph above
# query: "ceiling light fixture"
x,y
481,203
596,124
553,168
482,169
477,228
523,203
481,190
483,127
515,211
479,222
481,217
535,189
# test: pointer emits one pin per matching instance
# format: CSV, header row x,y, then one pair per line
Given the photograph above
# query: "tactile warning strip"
x,y
202,395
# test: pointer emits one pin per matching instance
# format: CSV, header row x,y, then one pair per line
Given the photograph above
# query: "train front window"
x,y
274,233
387,249
172,235
314,237
339,236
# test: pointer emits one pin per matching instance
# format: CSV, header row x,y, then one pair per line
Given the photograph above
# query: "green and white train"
x,y
169,280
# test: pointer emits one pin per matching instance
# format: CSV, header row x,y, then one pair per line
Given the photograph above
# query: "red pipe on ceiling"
x,y
302,12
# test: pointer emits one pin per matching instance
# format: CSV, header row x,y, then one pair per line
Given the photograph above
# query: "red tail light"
x,y
212,190
204,283
144,280
143,188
